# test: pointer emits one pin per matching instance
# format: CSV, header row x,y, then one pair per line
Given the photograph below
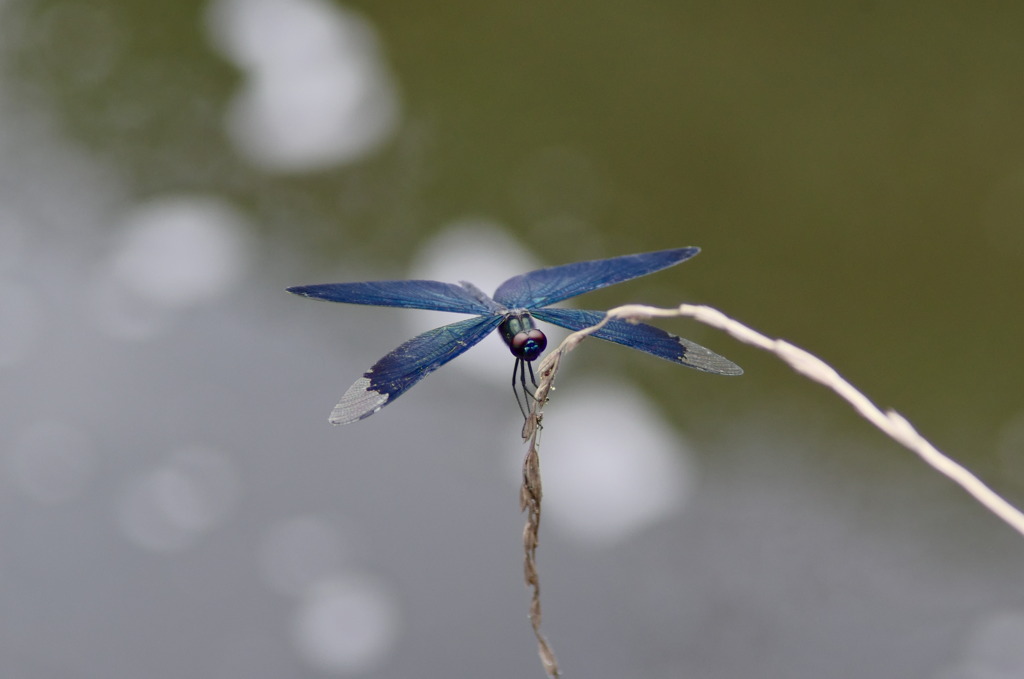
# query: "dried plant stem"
x,y
890,422
529,502
531,492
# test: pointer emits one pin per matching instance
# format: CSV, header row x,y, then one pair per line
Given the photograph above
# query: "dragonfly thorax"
x,y
522,336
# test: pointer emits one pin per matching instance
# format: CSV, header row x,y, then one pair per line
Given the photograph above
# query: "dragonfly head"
x,y
522,336
528,345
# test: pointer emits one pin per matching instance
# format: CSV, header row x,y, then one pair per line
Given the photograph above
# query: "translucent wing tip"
x,y
728,368
701,358
359,402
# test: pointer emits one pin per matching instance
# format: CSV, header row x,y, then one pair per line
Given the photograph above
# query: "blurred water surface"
x,y
174,502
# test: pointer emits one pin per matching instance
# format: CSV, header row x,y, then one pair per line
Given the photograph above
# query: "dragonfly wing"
x,y
547,286
408,294
643,337
392,375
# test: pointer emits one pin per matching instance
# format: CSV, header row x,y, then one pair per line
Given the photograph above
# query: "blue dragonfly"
x,y
512,310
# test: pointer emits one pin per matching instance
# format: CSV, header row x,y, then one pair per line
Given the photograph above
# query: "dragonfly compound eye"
x,y
528,345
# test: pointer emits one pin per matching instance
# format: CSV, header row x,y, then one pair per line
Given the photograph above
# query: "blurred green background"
x,y
853,172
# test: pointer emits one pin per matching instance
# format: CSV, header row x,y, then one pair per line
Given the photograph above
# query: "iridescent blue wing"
x,y
643,337
392,375
547,286
408,294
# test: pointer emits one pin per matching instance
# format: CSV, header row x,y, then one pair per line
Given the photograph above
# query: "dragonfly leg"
x,y
522,366
523,402
532,393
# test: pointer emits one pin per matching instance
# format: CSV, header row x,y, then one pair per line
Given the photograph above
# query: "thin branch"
x,y
889,422
529,502
531,494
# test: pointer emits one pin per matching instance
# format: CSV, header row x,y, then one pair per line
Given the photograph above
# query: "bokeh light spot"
x,y
346,625
170,253
167,508
316,92
181,250
611,466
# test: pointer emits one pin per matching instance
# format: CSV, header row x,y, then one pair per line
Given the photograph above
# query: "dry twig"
x,y
530,494
890,422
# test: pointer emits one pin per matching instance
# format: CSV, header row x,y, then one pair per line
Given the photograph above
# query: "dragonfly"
x,y
512,311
